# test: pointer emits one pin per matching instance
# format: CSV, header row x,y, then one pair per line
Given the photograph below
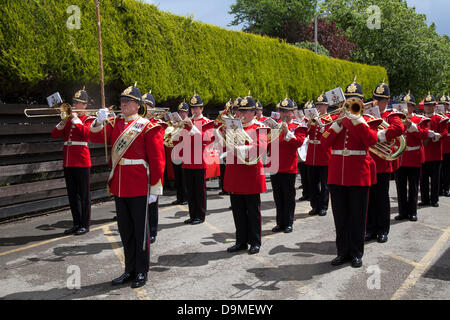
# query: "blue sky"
x,y
216,11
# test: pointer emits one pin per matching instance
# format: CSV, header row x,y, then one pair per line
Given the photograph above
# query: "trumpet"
x,y
352,108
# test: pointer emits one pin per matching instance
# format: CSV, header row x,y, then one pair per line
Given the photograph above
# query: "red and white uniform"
x,y
414,154
130,174
195,140
262,119
317,154
434,147
446,140
248,179
395,129
350,162
287,148
76,137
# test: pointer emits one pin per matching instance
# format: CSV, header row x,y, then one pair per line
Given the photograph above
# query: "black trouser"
x,y
302,168
131,222
379,212
283,186
222,176
78,191
445,173
318,187
349,206
407,181
196,183
430,170
180,182
247,218
153,218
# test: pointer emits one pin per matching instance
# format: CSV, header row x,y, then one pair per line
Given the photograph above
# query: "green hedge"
x,y
172,55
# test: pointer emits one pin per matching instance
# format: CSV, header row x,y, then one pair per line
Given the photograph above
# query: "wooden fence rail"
x,y
31,166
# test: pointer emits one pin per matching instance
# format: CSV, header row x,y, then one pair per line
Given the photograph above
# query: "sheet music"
x,y
311,113
234,124
275,115
374,111
54,100
335,96
270,123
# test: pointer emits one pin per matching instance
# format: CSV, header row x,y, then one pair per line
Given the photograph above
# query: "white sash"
x,y
124,141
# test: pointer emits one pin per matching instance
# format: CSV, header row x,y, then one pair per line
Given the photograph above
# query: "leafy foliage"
x,y
312,46
169,54
415,56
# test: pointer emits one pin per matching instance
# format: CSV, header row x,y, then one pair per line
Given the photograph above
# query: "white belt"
x,y
314,141
346,152
133,162
412,148
75,143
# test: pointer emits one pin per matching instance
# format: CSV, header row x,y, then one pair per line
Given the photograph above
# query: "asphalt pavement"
x,y
191,262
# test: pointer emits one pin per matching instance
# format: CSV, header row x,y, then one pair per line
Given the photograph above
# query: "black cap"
x,y
381,91
183,107
248,103
444,100
149,99
237,102
196,101
429,100
80,96
409,99
259,105
131,93
354,90
322,100
287,105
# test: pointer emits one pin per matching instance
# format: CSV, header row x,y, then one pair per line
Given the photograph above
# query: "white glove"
x,y
431,134
75,119
102,115
436,137
152,198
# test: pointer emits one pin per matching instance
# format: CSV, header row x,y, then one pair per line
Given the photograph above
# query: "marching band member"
x,y
180,178
317,159
259,112
195,139
433,153
302,167
136,178
349,178
408,175
77,163
150,103
445,176
223,164
285,163
246,182
378,215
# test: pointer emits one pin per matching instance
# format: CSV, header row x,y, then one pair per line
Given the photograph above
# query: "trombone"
x,y
64,111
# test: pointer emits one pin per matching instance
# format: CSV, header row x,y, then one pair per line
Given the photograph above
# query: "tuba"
x,y
234,137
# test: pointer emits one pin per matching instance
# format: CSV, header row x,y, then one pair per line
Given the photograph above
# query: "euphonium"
x,y
234,137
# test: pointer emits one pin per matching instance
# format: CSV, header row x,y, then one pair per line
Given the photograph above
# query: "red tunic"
x,y
194,145
284,160
248,179
317,154
446,141
414,154
132,180
434,149
350,170
78,132
395,129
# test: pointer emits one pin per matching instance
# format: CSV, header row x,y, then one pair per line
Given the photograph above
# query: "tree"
x,y
332,38
311,46
267,17
415,56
